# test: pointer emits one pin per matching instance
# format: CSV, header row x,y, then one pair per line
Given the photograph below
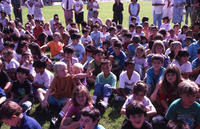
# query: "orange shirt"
x,y
62,87
55,47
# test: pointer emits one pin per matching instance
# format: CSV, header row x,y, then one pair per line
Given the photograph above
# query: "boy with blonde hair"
x,y
186,108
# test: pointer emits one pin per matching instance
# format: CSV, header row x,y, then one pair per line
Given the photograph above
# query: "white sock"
x,y
62,114
94,99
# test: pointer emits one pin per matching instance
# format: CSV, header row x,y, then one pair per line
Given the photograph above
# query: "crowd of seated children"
x,y
154,72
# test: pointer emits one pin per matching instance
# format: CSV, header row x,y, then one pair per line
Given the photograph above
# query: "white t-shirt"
x,y
44,79
12,64
146,101
185,68
124,81
78,5
86,39
165,26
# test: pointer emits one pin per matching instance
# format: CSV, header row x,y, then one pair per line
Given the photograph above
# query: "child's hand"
x,y
89,72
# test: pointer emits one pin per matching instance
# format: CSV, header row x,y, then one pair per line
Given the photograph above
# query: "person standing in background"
x,y
157,12
17,9
117,12
67,6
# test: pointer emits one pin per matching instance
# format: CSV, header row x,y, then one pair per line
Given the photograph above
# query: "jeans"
x,y
157,18
188,12
102,90
56,102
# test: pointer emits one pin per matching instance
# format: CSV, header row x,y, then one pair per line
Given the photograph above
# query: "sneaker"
x,y
26,106
104,104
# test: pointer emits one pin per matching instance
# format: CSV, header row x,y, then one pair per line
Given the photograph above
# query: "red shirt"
x,y
37,31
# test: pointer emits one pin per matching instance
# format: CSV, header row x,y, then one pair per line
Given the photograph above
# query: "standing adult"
x,y
117,9
195,11
67,6
178,6
157,12
168,9
92,6
17,9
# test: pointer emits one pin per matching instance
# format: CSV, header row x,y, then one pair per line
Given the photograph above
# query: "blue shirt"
x,y
119,60
195,63
95,37
2,93
192,49
131,48
28,122
190,115
152,78
166,60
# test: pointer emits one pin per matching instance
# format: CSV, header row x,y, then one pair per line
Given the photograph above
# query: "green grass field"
x,y
105,12
112,118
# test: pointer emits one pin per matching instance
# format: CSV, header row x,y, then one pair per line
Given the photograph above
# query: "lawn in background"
x,y
112,118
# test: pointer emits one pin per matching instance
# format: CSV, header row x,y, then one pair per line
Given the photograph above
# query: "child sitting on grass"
x,y
21,88
105,82
90,117
155,73
139,94
56,47
11,114
127,80
135,116
186,108
80,98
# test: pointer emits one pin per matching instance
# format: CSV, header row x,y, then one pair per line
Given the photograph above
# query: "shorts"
x,y
56,102
79,18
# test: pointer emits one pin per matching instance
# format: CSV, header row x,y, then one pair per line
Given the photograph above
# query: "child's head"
x,y
158,47
140,52
112,30
136,112
177,124
75,38
56,36
39,66
117,46
106,66
77,68
108,22
85,32
22,73
81,96
95,27
95,14
131,27
8,55
172,75
68,52
138,29
182,56
188,40
60,69
98,54
90,117
157,61
143,39
27,57
139,90
129,65
133,20
11,113
136,39
166,20
134,1
184,29
145,19
188,90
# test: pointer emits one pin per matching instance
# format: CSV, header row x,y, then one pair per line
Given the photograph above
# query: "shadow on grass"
x,y
115,109
40,115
